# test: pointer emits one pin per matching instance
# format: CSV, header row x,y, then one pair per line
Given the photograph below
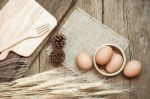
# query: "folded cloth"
x,y
13,68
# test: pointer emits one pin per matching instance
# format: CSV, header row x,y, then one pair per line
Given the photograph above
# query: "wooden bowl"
x,y
100,69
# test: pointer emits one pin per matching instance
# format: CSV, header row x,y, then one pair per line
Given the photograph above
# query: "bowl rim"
x,y
123,55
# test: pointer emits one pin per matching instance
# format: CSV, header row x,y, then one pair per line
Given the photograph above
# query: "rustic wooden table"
x,y
129,18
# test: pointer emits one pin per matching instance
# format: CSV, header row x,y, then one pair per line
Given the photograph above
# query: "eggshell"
x,y
115,63
132,68
84,61
103,55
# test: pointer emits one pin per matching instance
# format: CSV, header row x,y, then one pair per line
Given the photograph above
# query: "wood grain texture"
x,y
92,7
130,18
138,17
113,17
35,68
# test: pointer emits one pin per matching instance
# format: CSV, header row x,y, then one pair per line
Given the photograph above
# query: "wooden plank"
x,y
113,17
34,68
138,29
86,5
92,7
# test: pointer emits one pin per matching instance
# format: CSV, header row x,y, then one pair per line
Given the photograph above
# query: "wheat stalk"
x,y
57,83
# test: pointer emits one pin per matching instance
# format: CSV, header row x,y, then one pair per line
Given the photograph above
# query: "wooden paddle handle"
x,y
42,29
11,45
4,54
18,41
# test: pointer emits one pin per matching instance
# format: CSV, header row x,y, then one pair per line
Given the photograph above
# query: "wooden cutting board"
x,y
58,8
20,18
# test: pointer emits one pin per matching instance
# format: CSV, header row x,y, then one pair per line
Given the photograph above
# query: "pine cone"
x,y
57,57
58,41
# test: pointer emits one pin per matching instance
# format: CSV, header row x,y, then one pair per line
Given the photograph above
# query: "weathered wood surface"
x,y
120,15
130,18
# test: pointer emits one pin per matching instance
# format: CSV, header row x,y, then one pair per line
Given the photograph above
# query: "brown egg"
x,y
115,63
103,55
84,61
132,68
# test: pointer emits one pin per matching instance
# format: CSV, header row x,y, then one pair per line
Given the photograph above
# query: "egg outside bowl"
x,y
100,69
